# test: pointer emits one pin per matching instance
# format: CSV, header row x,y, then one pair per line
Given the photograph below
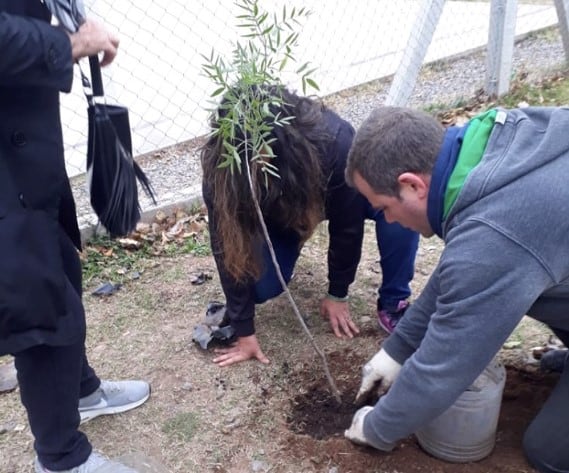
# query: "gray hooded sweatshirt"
x,y
506,252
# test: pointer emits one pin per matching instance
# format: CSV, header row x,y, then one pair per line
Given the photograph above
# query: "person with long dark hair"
x,y
309,152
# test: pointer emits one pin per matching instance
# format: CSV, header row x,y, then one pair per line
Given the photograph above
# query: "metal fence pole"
x,y
415,51
562,7
500,46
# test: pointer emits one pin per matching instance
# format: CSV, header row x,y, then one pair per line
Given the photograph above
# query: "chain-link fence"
x,y
157,73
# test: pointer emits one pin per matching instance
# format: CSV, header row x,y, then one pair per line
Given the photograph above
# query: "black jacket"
x,y
345,212
35,65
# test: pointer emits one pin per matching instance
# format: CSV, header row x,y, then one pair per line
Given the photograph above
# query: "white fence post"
x,y
500,46
414,54
562,7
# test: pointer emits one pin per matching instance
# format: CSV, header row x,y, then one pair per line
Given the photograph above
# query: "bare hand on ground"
x,y
338,314
244,349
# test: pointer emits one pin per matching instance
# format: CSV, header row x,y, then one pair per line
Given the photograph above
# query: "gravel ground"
x,y
175,171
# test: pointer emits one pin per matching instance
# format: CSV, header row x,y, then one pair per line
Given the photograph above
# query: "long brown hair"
x,y
294,200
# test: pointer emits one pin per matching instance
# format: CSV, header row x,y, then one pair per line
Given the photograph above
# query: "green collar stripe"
x,y
470,154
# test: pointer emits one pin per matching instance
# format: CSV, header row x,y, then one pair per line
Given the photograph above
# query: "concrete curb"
x,y
193,198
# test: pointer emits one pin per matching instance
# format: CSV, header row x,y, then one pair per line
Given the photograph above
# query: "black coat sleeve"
x,y
34,54
345,211
239,297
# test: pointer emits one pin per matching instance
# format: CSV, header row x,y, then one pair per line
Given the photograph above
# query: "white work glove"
x,y
378,372
356,431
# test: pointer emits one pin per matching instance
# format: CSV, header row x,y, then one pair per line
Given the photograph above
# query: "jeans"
x,y
545,440
397,248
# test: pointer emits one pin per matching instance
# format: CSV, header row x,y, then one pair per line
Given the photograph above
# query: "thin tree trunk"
x,y
333,388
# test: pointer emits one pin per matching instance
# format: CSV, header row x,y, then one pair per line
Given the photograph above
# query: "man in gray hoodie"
x,y
496,191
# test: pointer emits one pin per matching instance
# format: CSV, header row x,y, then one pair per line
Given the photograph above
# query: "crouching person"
x,y
495,190
309,152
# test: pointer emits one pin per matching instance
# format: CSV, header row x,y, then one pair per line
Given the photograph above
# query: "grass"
x,y
548,92
551,92
124,259
183,426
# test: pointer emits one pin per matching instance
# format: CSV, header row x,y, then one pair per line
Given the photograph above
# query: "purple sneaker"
x,y
388,319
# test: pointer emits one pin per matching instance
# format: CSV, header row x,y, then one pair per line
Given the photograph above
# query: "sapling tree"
x,y
249,83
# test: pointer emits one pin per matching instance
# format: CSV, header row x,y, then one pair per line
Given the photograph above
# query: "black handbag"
x,y
112,171
32,277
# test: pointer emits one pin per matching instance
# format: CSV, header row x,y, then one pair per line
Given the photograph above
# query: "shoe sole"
x,y
384,327
90,415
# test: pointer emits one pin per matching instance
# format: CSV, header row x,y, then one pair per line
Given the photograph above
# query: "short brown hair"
x,y
391,141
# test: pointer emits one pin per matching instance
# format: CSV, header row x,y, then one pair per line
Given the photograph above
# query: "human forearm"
x,y
480,302
239,297
345,229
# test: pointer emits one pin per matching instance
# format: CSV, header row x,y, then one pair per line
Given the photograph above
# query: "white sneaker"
x,y
113,397
96,463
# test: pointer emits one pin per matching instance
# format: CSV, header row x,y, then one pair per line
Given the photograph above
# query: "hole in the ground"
x,y
316,412
318,415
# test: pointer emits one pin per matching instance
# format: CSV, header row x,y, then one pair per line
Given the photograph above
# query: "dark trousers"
x,y
397,248
546,441
52,379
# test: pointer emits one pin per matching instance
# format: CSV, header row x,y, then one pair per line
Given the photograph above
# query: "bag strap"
x,y
94,87
96,77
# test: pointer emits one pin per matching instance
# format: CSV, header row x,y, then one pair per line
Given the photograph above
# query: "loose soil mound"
x,y
318,423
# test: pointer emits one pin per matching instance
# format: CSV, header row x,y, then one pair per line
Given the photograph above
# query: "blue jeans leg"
x,y
397,249
287,250
545,440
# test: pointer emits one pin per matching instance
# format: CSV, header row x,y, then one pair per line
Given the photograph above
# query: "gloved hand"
x,y
380,371
356,431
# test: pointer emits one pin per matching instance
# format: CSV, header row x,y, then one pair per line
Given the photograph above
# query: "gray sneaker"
x,y
96,463
113,397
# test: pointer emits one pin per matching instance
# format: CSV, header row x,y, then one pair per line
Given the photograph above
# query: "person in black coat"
x,y
42,320
309,154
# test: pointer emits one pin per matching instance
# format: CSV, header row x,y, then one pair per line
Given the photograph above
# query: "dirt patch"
x,y
254,418
317,425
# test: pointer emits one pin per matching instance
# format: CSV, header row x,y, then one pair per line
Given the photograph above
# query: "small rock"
x,y
4,429
200,278
187,386
230,426
8,377
511,345
258,466
365,319
106,289
334,469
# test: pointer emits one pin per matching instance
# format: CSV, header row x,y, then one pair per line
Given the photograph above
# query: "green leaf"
x,y
217,92
302,68
312,84
283,63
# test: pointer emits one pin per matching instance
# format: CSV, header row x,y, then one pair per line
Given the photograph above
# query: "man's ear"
x,y
417,182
